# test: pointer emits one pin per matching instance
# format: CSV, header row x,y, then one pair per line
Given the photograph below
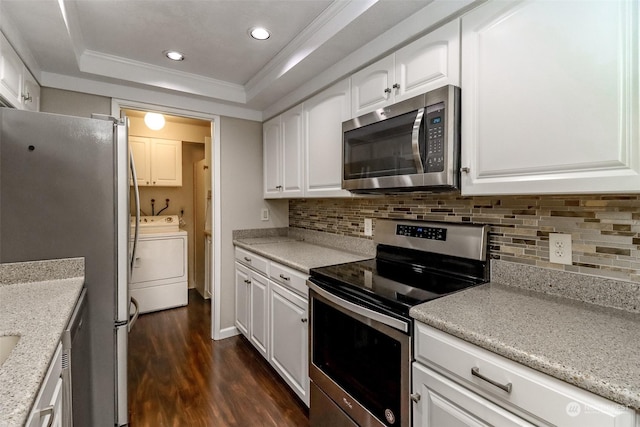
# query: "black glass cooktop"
x,y
396,281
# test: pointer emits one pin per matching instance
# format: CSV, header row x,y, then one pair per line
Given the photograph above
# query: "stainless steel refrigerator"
x,y
64,192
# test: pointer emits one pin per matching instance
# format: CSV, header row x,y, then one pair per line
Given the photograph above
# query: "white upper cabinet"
x,y
550,98
158,161
17,86
283,155
323,116
272,170
428,63
11,76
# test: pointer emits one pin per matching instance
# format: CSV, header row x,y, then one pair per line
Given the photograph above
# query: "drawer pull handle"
x,y
283,277
304,320
415,397
247,281
247,259
476,373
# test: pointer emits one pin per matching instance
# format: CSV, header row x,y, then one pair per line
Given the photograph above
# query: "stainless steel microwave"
x,y
413,145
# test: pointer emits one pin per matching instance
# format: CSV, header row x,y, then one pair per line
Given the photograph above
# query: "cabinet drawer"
x,y
533,392
290,278
254,261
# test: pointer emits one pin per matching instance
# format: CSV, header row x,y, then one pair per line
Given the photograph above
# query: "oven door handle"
x,y
362,311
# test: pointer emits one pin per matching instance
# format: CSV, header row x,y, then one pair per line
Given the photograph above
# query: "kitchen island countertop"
x,y
36,302
593,347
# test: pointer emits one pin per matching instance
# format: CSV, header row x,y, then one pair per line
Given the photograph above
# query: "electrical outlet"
x,y
368,227
264,214
560,248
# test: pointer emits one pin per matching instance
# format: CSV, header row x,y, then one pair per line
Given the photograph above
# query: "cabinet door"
x,y
10,74
428,63
441,402
371,87
289,338
259,320
292,152
141,151
31,92
323,117
272,158
550,98
166,163
243,293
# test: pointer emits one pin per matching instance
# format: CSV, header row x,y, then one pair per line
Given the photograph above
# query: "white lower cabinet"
x,y
259,313
446,403
47,408
252,307
289,338
456,383
272,313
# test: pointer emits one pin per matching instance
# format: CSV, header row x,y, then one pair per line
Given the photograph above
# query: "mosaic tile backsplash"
x,y
605,229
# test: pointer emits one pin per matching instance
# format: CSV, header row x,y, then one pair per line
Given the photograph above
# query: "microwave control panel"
x,y
435,128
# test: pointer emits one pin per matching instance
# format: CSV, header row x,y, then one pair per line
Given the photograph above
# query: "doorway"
x,y
194,200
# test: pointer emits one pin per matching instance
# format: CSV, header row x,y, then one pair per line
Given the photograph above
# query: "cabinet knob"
x,y
465,169
27,97
387,90
415,397
396,86
304,320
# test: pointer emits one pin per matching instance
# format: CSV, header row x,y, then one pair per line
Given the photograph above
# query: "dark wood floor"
x,y
178,376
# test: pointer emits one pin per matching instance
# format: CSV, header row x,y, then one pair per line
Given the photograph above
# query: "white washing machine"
x,y
159,279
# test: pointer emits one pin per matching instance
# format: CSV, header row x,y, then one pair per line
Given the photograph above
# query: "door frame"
x,y
117,105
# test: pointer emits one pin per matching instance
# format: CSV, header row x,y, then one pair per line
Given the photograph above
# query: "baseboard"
x,y
229,332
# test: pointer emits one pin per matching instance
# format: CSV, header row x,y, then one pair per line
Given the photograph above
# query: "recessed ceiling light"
x,y
174,55
259,33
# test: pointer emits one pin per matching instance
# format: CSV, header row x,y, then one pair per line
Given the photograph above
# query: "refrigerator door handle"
x,y
135,314
136,192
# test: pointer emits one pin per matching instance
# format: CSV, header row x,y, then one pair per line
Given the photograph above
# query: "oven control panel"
x,y
431,233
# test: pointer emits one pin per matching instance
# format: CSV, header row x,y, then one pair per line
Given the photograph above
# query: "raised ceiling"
x,y
122,42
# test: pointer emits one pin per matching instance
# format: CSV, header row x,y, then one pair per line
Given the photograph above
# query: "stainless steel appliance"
x,y
75,364
413,145
64,192
360,328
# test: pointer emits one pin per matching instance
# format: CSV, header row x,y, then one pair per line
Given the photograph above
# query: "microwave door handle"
x,y
415,144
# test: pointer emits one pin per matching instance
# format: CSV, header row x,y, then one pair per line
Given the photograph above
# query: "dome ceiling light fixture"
x,y
259,33
154,121
174,55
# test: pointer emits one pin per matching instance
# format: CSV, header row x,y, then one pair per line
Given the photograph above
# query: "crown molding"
x,y
140,72
150,96
331,21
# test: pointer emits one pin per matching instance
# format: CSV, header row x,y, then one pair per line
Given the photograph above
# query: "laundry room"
x,y
172,157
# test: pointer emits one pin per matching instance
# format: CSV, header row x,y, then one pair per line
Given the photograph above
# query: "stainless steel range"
x,y
360,329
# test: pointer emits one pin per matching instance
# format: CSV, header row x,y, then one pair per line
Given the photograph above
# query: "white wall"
x,y
73,103
241,199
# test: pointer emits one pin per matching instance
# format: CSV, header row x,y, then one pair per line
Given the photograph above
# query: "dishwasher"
x,y
76,407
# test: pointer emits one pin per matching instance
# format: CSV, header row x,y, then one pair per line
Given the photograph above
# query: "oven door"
x,y
360,360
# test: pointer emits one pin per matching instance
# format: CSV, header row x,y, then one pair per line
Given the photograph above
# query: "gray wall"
x,y
73,103
241,199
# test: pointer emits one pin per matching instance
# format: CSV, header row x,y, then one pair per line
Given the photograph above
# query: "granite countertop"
x,y
593,347
297,254
36,302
